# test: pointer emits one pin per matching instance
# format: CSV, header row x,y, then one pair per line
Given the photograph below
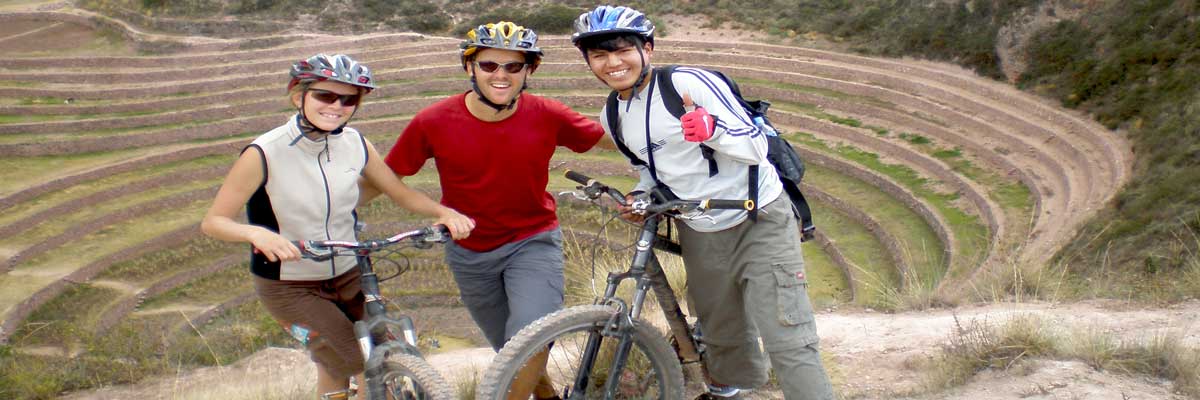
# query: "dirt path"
x,y
871,353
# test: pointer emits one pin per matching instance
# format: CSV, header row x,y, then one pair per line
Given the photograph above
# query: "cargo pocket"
x,y
792,294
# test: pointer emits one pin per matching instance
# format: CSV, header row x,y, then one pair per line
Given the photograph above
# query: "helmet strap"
x,y
642,75
307,126
498,107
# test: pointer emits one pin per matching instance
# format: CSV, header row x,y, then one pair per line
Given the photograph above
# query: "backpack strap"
x,y
614,126
612,114
670,96
800,207
752,180
674,104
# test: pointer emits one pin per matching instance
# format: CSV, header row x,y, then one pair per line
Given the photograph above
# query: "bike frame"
x,y
375,331
647,274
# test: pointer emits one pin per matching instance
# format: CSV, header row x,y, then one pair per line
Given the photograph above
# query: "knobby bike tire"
x,y
653,370
424,382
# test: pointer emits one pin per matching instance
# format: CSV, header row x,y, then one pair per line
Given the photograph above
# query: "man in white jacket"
x,y
743,272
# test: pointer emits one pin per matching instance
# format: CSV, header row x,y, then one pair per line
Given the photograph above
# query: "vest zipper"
x,y
328,209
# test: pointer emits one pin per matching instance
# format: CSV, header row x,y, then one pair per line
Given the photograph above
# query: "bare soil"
x,y
19,27
57,38
871,356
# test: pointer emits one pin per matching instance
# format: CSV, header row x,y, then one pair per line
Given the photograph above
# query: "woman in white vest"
x,y
300,181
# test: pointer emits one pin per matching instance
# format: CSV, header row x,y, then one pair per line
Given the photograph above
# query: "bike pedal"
x,y
339,395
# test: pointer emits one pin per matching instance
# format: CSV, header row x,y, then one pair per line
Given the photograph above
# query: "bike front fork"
x,y
377,342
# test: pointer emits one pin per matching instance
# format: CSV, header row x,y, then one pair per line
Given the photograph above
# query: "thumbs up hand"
x,y
698,125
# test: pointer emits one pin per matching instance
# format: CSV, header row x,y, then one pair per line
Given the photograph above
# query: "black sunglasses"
x,y
327,97
510,67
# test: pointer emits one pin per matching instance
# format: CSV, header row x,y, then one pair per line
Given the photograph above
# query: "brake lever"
x,y
697,215
639,204
576,195
434,234
314,252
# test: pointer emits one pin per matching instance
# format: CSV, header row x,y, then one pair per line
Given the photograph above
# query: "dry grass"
x,y
467,383
1013,281
977,346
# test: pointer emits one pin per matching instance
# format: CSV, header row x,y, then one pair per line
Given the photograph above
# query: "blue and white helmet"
x,y
606,20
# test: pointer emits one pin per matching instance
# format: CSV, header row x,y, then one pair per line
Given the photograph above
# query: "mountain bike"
x,y
395,368
605,350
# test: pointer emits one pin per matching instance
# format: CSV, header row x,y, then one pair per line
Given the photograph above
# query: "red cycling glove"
x,y
698,125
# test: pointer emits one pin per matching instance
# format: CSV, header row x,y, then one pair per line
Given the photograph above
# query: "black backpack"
x,y
780,153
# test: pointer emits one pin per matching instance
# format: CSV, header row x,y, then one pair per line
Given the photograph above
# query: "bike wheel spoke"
x,y
651,370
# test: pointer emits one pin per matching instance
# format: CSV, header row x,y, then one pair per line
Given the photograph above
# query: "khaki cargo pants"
x,y
748,276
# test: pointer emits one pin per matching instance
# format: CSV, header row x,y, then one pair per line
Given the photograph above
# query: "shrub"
x,y
553,18
944,154
915,138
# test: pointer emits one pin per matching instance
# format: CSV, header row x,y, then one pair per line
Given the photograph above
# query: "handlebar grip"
x,y
728,204
578,177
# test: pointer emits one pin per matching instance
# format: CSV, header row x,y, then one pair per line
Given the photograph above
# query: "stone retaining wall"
x,y
68,207
995,162
218,112
85,228
121,167
848,268
889,242
1059,178
896,191
37,299
1016,125
203,67
118,311
303,46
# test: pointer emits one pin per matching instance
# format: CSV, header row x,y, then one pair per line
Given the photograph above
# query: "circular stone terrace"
x,y
926,181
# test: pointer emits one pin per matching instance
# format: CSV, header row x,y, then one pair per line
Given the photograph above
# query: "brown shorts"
x,y
321,315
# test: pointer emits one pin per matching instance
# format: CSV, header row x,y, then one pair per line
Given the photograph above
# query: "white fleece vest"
x,y
310,193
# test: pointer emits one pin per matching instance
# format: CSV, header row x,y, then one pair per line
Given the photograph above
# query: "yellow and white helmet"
x,y
502,35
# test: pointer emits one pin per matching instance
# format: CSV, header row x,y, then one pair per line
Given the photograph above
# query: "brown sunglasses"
x,y
492,66
327,97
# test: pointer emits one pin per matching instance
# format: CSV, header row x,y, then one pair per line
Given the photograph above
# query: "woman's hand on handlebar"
x,y
460,225
626,210
273,246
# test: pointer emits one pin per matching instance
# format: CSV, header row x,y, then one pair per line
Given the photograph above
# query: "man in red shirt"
x,y
492,146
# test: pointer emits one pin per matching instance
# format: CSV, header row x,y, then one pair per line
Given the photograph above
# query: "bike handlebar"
x,y
593,189
580,178
322,250
727,204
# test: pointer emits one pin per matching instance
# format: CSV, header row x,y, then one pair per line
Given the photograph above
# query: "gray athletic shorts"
x,y
508,288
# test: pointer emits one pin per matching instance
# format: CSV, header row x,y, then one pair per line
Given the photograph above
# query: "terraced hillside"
x,y
924,177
